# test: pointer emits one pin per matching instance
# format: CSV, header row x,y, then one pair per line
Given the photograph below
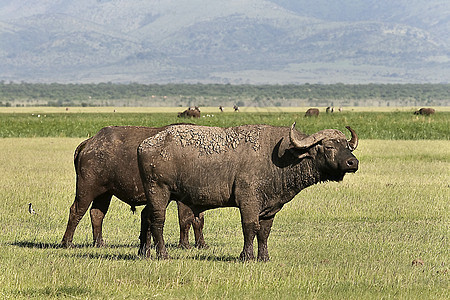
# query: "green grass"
x,y
350,240
397,125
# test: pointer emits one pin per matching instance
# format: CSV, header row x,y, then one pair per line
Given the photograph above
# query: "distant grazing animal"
x,y
312,112
236,108
190,113
221,108
330,109
106,166
256,168
425,111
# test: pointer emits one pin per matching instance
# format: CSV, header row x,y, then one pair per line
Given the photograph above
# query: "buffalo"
x,y
106,166
312,112
191,112
256,168
425,111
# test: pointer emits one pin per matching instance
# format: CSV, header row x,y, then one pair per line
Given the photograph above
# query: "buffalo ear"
x,y
283,146
300,154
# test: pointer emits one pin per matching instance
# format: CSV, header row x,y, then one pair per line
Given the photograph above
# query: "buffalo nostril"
x,y
352,163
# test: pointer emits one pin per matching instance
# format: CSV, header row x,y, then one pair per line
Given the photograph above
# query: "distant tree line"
x,y
56,94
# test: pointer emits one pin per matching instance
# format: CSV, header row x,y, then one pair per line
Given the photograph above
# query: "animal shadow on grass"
x,y
133,257
108,256
119,256
212,257
41,245
199,254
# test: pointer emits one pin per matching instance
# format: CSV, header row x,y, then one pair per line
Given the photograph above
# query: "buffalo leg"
x,y
158,198
77,211
250,226
186,217
262,236
146,236
249,235
198,224
98,211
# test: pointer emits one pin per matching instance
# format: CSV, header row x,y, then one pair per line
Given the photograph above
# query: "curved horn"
x,y
353,143
310,140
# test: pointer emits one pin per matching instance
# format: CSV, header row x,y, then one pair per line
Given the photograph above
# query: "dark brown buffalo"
x,y
312,112
425,111
190,113
106,166
256,168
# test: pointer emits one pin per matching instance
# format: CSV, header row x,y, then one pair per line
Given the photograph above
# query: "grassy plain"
x,y
208,109
395,124
350,240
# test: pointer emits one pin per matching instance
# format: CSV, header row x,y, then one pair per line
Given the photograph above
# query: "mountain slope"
x,y
246,41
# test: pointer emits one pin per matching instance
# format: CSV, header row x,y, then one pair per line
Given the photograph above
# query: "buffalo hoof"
x,y
99,244
201,246
162,256
246,256
67,245
263,259
144,251
184,246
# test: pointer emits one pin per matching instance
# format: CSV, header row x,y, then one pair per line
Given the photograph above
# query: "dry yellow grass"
x,y
351,240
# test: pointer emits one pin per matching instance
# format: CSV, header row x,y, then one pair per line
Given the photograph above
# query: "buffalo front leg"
x,y
249,230
198,224
250,226
98,211
262,236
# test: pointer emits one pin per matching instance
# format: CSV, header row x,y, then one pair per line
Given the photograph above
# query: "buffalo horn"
x,y
353,143
312,139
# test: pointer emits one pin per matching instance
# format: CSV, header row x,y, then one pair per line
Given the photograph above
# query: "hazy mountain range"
x,y
225,41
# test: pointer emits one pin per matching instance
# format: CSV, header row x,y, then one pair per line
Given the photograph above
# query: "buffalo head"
x,y
330,149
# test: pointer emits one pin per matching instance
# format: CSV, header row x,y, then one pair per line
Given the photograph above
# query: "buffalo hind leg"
x,y
98,211
186,217
145,236
158,198
262,236
77,211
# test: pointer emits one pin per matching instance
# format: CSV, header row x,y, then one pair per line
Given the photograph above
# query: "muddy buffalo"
x,y
312,112
425,111
106,166
256,168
